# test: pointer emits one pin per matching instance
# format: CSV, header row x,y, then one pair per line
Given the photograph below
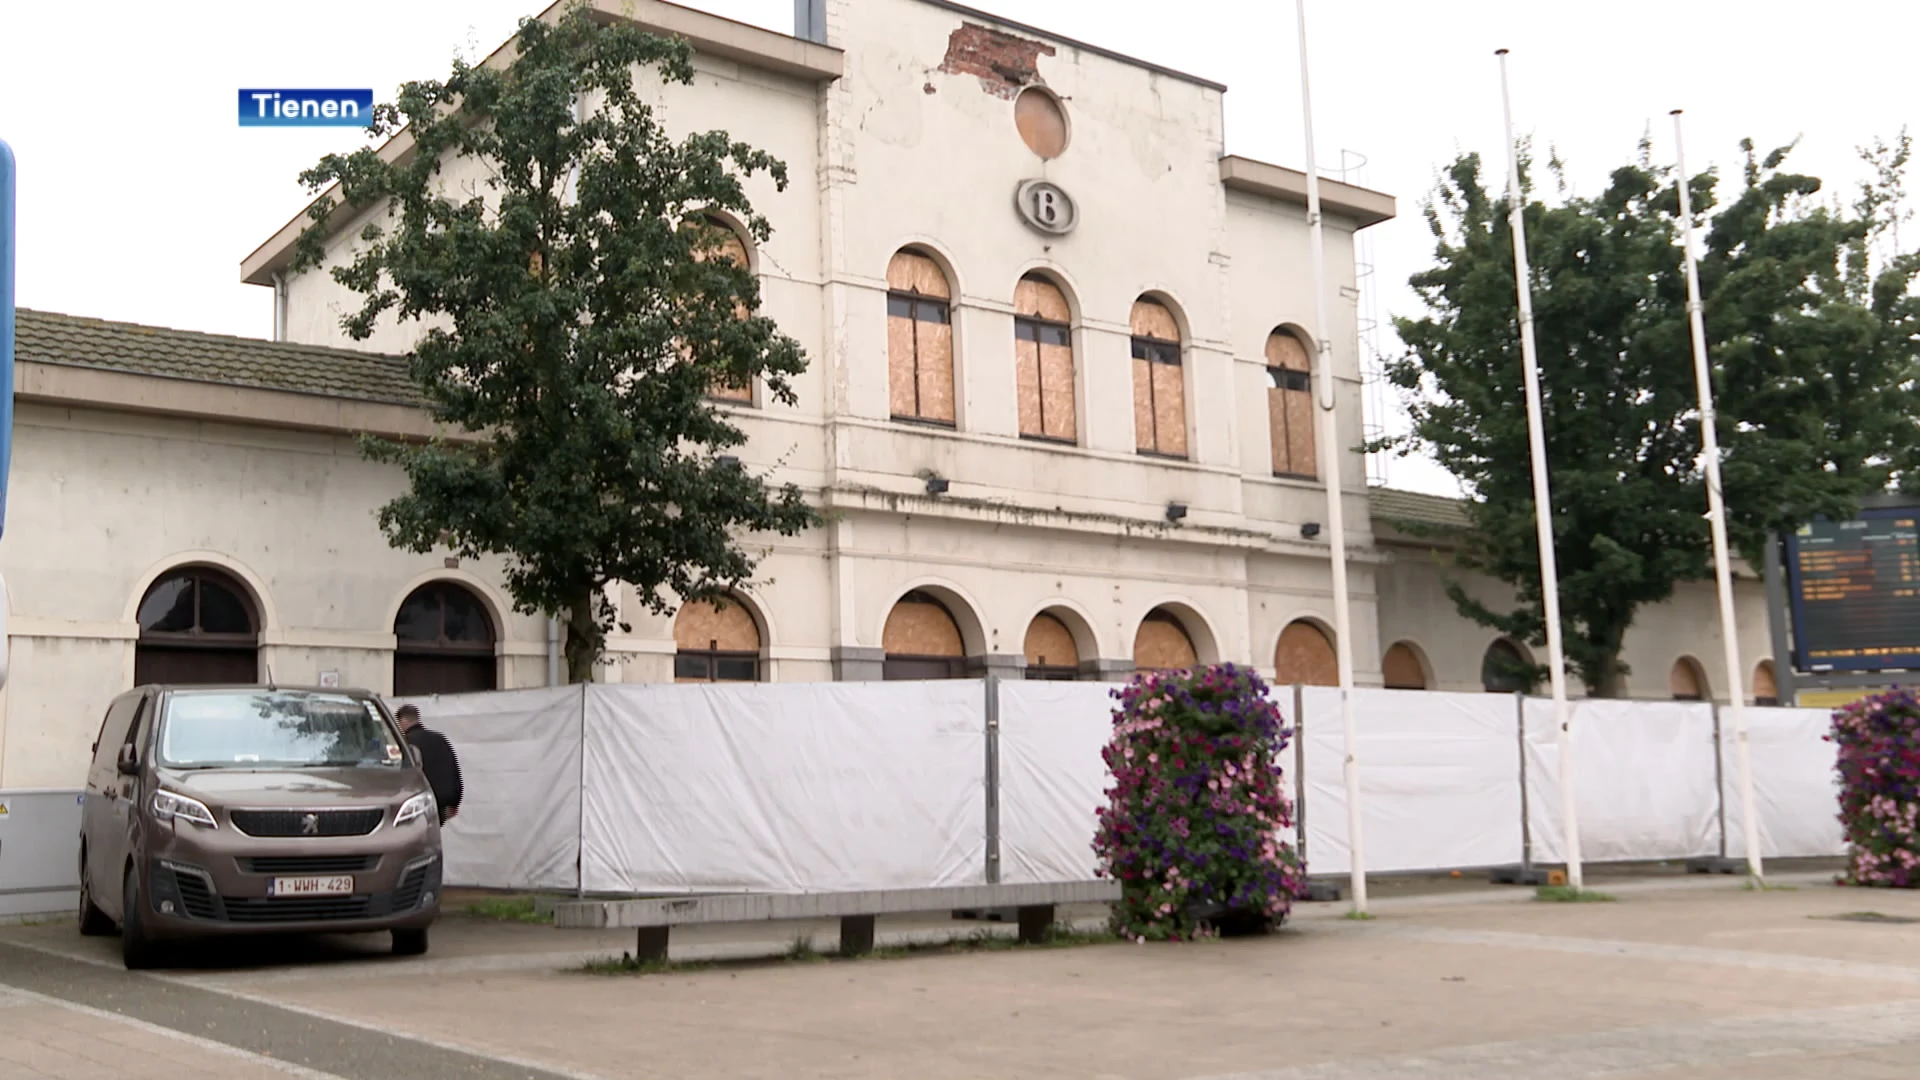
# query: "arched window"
x,y
443,642
1686,681
1162,643
1305,657
919,340
1043,360
1290,406
722,242
197,626
1766,691
1403,669
922,640
1504,669
716,641
1051,652
1159,387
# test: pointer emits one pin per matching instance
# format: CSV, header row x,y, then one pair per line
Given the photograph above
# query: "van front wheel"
x,y
410,942
137,950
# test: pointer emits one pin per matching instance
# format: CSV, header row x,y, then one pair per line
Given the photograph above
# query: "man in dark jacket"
x,y
436,760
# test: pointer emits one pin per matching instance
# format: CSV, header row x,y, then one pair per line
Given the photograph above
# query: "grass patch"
x,y
1763,885
1868,917
1567,894
510,909
803,951
1360,916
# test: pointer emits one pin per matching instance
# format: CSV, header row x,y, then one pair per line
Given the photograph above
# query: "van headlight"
x,y
419,806
168,806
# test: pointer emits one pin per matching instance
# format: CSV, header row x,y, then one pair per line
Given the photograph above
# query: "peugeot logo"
x,y
310,825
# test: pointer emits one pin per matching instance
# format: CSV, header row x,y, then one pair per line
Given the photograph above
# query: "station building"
x,y
1059,413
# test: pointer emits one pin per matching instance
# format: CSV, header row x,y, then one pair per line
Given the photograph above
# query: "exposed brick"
x,y
1003,63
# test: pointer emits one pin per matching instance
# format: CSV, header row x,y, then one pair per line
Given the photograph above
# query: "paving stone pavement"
x,y
1690,978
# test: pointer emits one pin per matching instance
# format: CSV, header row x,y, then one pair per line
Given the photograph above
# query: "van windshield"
x,y
244,729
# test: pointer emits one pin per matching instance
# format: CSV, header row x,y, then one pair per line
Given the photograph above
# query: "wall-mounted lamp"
x,y
937,485
1309,530
1176,511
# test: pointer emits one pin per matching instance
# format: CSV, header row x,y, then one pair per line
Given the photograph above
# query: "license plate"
x,y
333,885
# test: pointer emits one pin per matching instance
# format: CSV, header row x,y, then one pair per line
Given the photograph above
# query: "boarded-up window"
x,y
1687,681
1051,652
919,340
922,640
1162,644
1041,122
1043,360
716,641
1765,690
1504,669
1305,657
1159,389
1290,406
1402,669
724,243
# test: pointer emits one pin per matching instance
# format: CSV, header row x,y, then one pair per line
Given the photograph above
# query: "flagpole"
x,y
1717,515
1542,494
1331,462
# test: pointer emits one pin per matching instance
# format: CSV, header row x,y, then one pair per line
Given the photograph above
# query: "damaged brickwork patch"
x,y
1003,63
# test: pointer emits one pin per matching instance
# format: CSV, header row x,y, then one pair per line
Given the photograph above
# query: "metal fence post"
x,y
1524,874
1718,863
1300,772
993,778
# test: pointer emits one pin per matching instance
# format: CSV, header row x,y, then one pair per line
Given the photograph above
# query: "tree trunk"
x,y
585,642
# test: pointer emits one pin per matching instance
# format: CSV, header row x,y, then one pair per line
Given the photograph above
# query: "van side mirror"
x,y
129,761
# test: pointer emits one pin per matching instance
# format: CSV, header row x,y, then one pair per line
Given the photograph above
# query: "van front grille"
x,y
308,864
302,909
358,822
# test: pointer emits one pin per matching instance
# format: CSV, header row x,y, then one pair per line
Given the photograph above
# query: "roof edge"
x,y
1071,43
710,34
1362,206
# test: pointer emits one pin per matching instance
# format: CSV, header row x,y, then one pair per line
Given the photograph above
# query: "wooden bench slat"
x,y
768,907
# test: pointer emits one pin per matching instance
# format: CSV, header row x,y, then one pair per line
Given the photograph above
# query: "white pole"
x,y
1717,514
1332,459
1542,494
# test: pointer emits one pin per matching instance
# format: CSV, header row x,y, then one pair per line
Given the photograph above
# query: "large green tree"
x,y
556,247
1814,342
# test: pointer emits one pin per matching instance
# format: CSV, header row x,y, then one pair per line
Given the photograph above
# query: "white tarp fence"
x,y
1794,785
1439,778
809,787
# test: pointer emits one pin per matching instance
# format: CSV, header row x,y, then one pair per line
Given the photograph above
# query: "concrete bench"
x,y
656,917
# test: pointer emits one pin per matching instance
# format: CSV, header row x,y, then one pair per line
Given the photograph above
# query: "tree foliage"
x,y
557,247
1813,340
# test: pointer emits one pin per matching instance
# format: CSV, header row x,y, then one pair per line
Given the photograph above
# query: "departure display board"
x,y
1856,592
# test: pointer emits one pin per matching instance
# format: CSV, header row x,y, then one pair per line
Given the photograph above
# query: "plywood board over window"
x,y
1305,657
1043,360
1162,644
1051,652
1159,385
716,641
726,244
1687,681
1402,669
1290,406
919,340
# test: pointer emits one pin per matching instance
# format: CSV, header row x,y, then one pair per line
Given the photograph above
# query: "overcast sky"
x,y
140,194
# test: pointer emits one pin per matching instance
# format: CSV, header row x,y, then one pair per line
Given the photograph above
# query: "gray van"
x,y
224,810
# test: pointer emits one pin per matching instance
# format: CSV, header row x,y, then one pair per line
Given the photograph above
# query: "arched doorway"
x,y
197,625
1051,652
1305,657
1766,692
922,640
443,642
1162,643
1687,681
716,641
1504,669
1403,668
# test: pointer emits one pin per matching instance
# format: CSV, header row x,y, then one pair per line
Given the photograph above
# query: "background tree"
x,y
1813,346
575,325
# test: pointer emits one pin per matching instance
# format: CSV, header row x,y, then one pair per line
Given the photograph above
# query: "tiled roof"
x,y
49,338
1391,506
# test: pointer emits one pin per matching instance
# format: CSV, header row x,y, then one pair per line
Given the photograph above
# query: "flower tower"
x,y
1197,823
1879,766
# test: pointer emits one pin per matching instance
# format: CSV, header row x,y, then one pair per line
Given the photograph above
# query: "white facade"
x,y
897,135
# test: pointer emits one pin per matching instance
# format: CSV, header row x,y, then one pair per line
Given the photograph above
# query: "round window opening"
x,y
1042,122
